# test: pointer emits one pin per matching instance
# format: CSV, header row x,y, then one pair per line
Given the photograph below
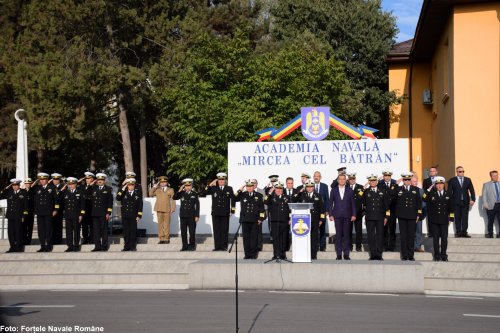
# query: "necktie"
x,y
497,191
408,188
130,193
461,181
317,188
374,189
387,184
221,188
289,192
164,189
72,191
100,188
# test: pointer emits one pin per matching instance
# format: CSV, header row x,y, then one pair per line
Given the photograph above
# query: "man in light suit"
x,y
491,202
462,197
342,211
322,189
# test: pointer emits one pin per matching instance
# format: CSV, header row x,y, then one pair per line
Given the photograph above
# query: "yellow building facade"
x,y
449,75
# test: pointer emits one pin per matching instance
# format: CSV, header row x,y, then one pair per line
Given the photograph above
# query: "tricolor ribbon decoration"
x,y
346,128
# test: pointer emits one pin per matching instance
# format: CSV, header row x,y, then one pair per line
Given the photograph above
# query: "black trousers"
x,y
250,232
461,218
358,227
188,223
314,237
492,213
260,237
57,231
15,232
44,223
375,231
87,229
72,231
390,232
221,231
440,232
130,232
100,232
322,234
407,234
28,228
279,231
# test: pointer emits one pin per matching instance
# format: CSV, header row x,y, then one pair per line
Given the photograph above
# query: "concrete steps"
x,y
474,266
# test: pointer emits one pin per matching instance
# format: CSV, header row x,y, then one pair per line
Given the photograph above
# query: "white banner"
x,y
259,160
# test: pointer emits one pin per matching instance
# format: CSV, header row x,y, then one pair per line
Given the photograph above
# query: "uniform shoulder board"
x,y
265,198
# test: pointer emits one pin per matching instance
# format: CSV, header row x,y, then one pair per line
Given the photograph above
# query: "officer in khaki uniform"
x,y
131,210
164,207
408,212
17,210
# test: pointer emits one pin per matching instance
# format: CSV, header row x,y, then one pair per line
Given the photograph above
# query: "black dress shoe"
x,y
76,249
489,236
69,249
404,259
41,250
322,249
48,249
10,251
444,259
358,248
373,258
133,250
435,258
411,259
284,258
125,250
274,258
347,258
184,248
339,258
458,235
215,250
105,249
246,257
380,258
313,258
466,235
95,250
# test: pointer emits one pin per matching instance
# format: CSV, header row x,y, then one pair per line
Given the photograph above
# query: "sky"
x,y
406,13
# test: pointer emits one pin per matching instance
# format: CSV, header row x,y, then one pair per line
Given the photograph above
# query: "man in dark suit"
x,y
428,182
322,189
358,223
289,193
223,206
408,212
462,197
343,212
390,185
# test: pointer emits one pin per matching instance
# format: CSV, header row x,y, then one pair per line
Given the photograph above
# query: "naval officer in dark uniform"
x,y
46,207
17,210
440,208
189,213
390,185
279,214
74,209
376,205
87,224
57,222
357,225
408,212
223,206
317,213
102,207
131,201
30,218
252,213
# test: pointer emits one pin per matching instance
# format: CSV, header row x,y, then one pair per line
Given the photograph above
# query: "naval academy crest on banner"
x,y
301,224
315,122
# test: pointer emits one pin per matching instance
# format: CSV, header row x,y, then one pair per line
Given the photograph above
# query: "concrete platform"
x,y
327,275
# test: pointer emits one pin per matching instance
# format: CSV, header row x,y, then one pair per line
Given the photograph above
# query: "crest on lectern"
x,y
301,224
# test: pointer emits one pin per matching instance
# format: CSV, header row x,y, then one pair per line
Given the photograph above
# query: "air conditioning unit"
x,y
427,97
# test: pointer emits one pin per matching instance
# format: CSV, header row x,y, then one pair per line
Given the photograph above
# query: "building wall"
x,y
463,129
476,49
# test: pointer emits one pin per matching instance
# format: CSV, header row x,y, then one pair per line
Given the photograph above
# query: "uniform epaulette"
x,y
388,212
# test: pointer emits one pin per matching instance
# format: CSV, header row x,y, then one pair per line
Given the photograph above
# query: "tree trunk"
x,y
39,156
124,130
143,157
